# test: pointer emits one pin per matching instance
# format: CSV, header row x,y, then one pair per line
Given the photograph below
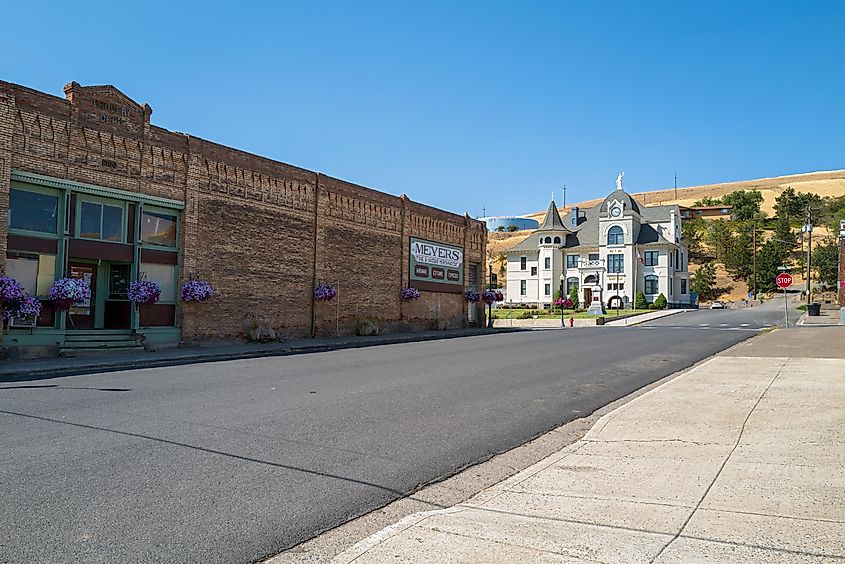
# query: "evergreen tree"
x,y
639,301
739,257
745,203
826,262
769,258
703,280
720,238
783,232
660,302
573,295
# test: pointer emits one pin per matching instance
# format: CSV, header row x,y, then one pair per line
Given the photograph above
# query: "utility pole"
x,y
564,196
676,185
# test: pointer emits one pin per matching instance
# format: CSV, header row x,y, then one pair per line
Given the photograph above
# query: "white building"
x,y
609,252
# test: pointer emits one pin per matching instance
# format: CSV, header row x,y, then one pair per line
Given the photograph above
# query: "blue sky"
x,y
465,105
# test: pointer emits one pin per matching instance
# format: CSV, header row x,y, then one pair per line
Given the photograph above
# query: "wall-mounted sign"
x,y
436,267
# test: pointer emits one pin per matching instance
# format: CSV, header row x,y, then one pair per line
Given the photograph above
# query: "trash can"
x,y
813,309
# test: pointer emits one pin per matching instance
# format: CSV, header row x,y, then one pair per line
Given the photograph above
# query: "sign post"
x,y
784,280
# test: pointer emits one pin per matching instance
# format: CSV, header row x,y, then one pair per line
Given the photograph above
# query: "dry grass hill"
x,y
824,183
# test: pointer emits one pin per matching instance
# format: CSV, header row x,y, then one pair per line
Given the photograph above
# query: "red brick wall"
x,y
264,233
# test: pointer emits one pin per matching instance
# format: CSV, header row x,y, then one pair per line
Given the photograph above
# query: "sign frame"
x,y
444,281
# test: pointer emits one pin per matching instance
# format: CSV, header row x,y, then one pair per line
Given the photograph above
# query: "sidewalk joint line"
x,y
724,462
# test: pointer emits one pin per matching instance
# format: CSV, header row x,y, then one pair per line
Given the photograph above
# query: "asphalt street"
x,y
235,461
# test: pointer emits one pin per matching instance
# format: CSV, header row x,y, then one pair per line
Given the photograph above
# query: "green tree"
x,y
826,262
739,256
703,280
745,203
694,232
573,295
786,204
639,301
707,202
783,232
660,302
501,229
769,258
513,228
720,237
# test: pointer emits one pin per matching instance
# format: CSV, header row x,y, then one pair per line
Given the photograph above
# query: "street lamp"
x,y
560,297
490,305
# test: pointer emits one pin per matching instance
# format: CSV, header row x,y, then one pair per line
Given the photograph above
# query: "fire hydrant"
x,y
571,321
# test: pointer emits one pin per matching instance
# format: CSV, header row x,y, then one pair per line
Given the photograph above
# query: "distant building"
x,y
509,223
706,212
609,252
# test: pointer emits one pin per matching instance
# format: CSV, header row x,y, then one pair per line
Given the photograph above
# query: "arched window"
x,y
548,240
571,282
557,240
615,236
591,279
650,284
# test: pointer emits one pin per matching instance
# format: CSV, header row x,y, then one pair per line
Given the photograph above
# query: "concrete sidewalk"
x,y
24,370
737,460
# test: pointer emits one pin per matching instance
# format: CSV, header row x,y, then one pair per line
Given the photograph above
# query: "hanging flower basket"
x,y
490,296
67,292
410,294
144,292
25,308
325,293
15,302
10,290
472,296
194,291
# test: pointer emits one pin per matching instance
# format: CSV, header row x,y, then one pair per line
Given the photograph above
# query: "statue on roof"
x,y
619,180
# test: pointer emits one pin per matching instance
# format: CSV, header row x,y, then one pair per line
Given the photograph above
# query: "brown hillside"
x,y
824,183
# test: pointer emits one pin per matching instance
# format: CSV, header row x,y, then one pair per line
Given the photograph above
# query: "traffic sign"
x,y
784,280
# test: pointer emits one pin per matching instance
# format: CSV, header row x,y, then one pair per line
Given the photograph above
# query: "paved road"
x,y
233,461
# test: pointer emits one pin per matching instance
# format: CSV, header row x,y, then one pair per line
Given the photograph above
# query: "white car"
x,y
717,305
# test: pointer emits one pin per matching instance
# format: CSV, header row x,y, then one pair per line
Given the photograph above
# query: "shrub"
x,y
366,328
640,302
660,302
437,324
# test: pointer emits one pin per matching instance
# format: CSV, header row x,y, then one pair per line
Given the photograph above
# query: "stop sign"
x,y
784,280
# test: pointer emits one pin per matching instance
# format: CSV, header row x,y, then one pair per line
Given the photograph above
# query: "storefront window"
x,y
158,228
35,273
164,275
33,211
100,221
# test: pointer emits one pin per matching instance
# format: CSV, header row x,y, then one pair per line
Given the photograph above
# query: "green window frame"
x,y
158,212
83,202
32,189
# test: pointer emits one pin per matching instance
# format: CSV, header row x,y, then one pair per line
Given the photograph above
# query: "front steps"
x,y
99,341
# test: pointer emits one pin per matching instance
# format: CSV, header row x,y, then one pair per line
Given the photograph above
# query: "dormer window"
x,y
548,240
557,240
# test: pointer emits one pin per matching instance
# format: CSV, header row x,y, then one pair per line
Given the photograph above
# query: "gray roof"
x,y
624,197
587,234
552,221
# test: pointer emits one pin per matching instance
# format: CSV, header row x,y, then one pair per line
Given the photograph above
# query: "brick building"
x,y
90,188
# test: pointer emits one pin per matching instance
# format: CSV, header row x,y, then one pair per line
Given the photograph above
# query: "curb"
x,y
115,365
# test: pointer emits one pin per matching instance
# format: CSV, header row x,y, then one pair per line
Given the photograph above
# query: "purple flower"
x,y
195,291
66,292
472,296
325,293
144,292
410,294
10,289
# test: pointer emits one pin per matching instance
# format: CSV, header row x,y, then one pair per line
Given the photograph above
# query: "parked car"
x,y
717,305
